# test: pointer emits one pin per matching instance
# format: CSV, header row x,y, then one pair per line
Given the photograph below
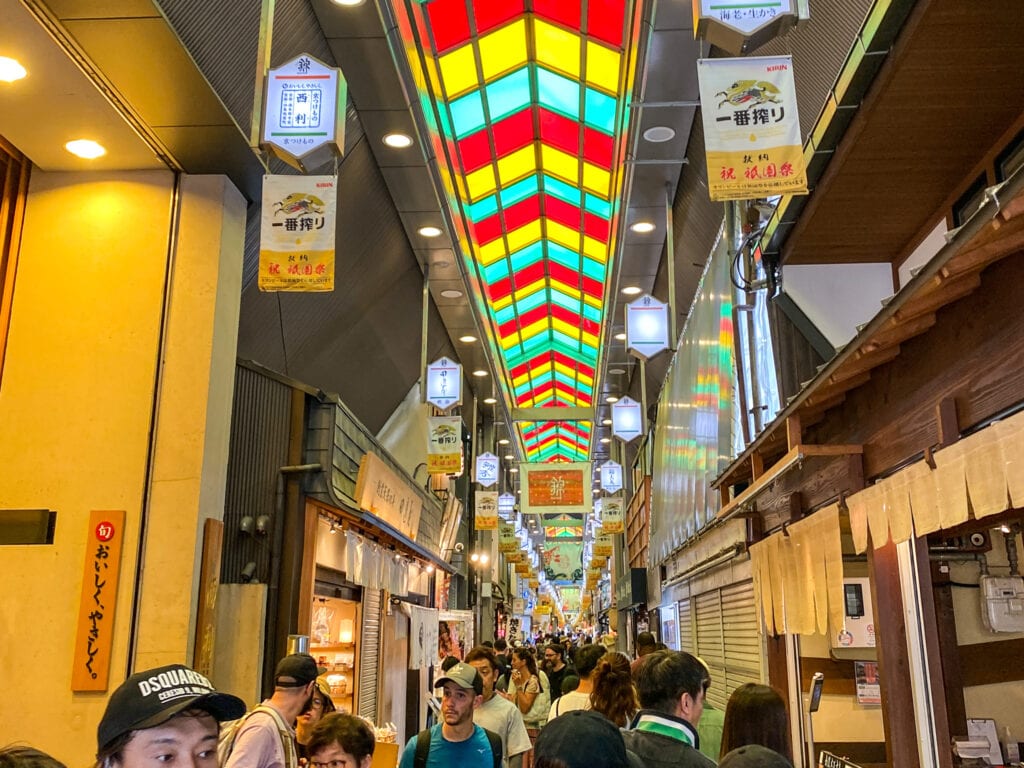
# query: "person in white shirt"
x,y
585,658
497,714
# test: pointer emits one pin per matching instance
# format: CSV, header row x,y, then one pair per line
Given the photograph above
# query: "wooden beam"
x,y
949,427
949,655
756,465
992,663
930,630
794,432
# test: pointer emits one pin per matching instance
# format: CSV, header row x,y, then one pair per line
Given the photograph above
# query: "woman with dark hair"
x,y
756,714
320,705
529,689
614,695
341,739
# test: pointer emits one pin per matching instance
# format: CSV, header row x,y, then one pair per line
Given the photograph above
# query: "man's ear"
x,y
365,762
685,705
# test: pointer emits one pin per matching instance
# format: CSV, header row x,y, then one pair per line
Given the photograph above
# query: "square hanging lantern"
x,y
444,383
487,469
611,476
627,419
646,327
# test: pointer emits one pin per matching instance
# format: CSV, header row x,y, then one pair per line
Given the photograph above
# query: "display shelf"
x,y
333,647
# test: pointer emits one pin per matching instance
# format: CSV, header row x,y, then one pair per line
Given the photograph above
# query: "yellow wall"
x,y
76,403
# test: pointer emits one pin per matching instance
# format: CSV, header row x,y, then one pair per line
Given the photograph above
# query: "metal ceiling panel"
x,y
381,122
372,82
412,191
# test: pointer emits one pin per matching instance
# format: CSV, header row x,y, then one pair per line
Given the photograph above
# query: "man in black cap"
x,y
456,740
582,739
671,687
754,756
266,737
170,713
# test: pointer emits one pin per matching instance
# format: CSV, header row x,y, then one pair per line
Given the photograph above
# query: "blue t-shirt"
x,y
474,752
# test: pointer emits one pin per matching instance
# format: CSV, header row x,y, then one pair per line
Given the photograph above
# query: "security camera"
x,y
262,525
245,525
459,547
248,571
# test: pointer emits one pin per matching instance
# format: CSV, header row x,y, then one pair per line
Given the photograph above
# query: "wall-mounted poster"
x,y
454,634
670,626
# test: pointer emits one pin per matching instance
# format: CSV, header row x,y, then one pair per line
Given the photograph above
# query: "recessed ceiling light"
x,y
85,148
490,400
513,470
440,264
632,290
451,293
467,339
607,422
606,440
398,140
348,3
611,399
659,133
11,70
616,371
479,372
642,227
503,441
618,336
429,231
509,457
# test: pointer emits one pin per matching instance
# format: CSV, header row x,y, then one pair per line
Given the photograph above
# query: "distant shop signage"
x,y
627,419
304,112
381,492
297,233
444,445
751,127
444,383
487,469
739,26
486,510
646,327
611,476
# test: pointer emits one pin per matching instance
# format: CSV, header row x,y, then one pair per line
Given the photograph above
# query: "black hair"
x,y
664,676
500,644
449,662
586,658
756,714
349,732
557,648
483,653
16,756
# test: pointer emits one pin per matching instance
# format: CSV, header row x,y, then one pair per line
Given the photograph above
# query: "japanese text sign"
x,y
751,127
444,445
550,488
487,469
304,112
627,419
507,541
486,510
95,635
611,476
742,25
444,383
612,515
297,233
380,491
506,505
646,327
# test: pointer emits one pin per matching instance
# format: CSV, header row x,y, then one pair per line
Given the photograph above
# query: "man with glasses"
x,y
671,686
341,741
555,667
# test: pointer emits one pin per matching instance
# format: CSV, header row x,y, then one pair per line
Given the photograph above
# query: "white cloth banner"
x,y
422,636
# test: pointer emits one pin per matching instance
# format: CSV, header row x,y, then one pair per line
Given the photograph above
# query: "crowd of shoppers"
x,y
589,706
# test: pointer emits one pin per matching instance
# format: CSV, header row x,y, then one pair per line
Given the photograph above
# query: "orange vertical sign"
x,y
95,636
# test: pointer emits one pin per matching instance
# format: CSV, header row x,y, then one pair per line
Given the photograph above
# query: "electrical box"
x,y
1002,603
858,630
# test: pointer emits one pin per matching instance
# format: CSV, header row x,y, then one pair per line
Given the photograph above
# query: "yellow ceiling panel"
x,y
602,67
563,235
561,164
557,49
515,166
595,249
492,251
522,237
503,50
458,69
596,180
480,183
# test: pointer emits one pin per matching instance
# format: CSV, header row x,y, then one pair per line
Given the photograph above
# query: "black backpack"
x,y
423,748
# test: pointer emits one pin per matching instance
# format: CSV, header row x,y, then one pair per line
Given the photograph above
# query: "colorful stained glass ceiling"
x,y
527,105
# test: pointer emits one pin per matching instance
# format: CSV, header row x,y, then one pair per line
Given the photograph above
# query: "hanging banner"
x,y
506,506
523,569
515,557
739,26
611,477
423,626
556,488
297,233
563,561
95,634
444,445
646,327
486,510
444,383
533,583
507,540
612,514
602,545
751,127
487,469
627,419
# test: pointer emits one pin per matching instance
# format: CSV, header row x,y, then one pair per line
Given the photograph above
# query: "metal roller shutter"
x,y
727,639
369,655
686,626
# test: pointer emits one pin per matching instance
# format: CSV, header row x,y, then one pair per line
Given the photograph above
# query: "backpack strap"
x,y
284,732
422,749
496,751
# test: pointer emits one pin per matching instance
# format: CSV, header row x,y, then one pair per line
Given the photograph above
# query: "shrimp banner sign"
x,y
751,127
297,233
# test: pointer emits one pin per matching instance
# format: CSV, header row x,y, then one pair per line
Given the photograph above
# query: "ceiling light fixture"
x,y
11,69
618,336
467,339
632,290
606,440
451,293
429,231
607,422
397,140
348,3
616,371
509,457
643,227
513,470
656,134
479,372
611,399
85,148
503,441
490,400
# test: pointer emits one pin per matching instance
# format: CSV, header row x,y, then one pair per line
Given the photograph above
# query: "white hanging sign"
x,y
627,419
304,112
444,383
506,505
646,327
487,469
611,477
742,25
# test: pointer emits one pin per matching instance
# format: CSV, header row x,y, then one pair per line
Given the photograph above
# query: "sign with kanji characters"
x,y
646,327
486,510
297,233
304,112
506,505
382,492
627,419
444,445
751,127
602,544
444,383
612,514
507,540
95,635
487,469
611,476
739,26
554,488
